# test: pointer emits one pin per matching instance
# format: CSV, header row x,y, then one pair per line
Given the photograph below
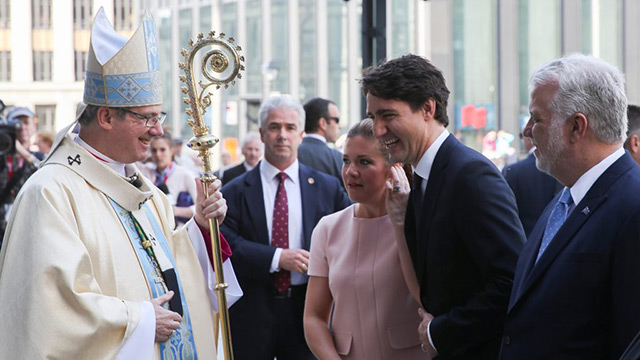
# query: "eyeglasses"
x,y
150,120
336,119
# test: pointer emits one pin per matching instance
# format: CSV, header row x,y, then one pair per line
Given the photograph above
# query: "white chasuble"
x,y
71,284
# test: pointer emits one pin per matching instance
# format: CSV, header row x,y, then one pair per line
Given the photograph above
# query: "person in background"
x,y
322,126
272,212
355,264
17,166
532,188
44,141
632,144
174,180
252,152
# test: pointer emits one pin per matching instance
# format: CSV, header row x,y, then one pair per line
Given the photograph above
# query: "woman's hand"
x,y
398,191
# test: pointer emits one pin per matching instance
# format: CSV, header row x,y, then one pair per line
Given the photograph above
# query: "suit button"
x,y
506,340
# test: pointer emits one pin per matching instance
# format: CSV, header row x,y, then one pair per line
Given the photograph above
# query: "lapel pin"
x,y
586,211
311,181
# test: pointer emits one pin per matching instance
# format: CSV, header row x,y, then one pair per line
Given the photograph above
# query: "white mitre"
x,y
122,73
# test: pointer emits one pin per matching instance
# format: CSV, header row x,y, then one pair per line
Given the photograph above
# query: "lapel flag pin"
x,y
311,181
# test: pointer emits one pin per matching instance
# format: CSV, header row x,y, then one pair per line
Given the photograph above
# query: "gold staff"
x,y
220,66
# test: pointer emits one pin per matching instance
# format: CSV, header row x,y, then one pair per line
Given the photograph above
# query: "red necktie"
x,y
280,231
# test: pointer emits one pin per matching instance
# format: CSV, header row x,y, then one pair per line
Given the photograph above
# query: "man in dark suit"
x,y
632,144
532,188
252,152
272,212
575,292
321,126
463,234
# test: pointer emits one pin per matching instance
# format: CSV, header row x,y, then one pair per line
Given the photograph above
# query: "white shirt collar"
x,y
269,171
316,136
116,166
586,181
248,167
426,162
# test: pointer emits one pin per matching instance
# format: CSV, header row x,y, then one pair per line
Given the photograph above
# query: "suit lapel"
x,y
594,198
254,202
309,194
430,201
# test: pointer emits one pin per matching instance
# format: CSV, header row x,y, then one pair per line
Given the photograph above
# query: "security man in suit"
x,y
272,212
322,125
461,226
575,292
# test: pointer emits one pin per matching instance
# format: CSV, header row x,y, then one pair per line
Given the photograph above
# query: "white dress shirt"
x,y
270,184
586,181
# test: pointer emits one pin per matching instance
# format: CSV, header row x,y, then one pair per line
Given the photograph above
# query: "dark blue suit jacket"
x,y
232,173
532,188
245,228
464,246
313,152
582,299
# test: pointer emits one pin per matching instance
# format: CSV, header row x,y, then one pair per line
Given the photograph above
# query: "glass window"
x,y
123,18
5,65
280,45
402,28
46,115
253,49
184,35
230,27
42,63
163,22
41,14
80,64
540,41
82,13
337,54
602,29
308,54
475,69
5,14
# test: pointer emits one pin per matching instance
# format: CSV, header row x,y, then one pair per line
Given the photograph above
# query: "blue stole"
x,y
181,344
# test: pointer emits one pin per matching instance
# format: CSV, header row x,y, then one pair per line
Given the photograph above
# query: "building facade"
x,y
308,48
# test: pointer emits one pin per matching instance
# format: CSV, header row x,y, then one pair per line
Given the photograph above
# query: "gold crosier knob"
x,y
221,65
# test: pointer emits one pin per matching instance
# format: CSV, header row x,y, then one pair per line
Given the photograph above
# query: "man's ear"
x,y
323,124
105,117
634,144
579,126
429,109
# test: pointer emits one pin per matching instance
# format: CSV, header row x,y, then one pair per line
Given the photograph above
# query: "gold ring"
x,y
424,349
303,267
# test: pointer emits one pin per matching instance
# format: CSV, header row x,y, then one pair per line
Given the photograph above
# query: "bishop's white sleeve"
x,y
141,343
233,291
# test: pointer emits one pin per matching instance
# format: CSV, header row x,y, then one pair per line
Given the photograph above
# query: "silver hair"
x,y
590,86
251,136
281,102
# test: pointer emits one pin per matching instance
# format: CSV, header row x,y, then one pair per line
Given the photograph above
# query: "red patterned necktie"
x,y
280,231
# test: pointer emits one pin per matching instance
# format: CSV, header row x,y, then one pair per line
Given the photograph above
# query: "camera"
x,y
8,133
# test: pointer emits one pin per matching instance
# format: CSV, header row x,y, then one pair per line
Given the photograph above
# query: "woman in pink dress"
x,y
360,268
